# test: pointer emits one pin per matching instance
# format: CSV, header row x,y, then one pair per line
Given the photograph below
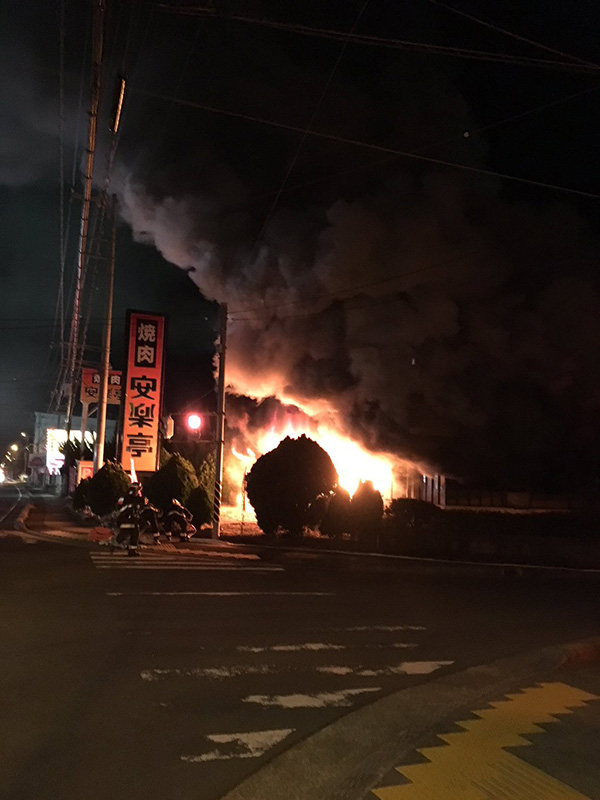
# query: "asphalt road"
x,y
11,496
141,679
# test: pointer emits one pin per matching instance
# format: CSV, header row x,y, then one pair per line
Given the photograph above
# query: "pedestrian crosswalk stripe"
x,y
238,670
405,668
174,562
315,647
188,567
240,745
338,699
180,552
220,594
383,628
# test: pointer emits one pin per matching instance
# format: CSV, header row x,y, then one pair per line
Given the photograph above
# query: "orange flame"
x,y
352,461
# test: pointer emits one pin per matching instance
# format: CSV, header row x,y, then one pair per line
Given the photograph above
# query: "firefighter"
x,y
179,521
128,520
149,516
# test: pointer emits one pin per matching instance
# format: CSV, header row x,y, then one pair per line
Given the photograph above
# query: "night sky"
x,y
449,316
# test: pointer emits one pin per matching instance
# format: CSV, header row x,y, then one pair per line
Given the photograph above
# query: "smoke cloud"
x,y
432,320
415,307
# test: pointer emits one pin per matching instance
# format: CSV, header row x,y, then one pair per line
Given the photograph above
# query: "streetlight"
x,y
14,447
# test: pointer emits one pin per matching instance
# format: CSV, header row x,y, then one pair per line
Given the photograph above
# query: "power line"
x,y
60,299
379,148
513,35
356,288
385,42
308,128
461,135
543,107
163,128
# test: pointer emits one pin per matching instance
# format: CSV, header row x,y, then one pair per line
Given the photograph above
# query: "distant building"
x,y
416,485
50,433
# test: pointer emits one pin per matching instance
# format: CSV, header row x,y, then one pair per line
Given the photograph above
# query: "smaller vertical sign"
x,y
90,386
143,392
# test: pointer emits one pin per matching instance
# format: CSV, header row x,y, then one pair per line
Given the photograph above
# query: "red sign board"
x,y
143,392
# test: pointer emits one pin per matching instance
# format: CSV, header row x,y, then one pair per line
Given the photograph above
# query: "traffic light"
x,y
194,422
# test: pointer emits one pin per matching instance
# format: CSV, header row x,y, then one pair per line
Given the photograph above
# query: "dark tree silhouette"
x,y
336,519
366,511
283,484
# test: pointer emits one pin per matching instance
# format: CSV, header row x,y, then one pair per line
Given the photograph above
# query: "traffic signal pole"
x,y
220,433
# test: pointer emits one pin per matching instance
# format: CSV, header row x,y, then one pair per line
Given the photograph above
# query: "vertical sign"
x,y
90,386
143,391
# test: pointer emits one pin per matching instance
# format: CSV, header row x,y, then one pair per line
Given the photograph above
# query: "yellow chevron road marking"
x,y
474,765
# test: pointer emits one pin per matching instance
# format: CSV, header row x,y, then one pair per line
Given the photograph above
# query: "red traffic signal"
x,y
194,422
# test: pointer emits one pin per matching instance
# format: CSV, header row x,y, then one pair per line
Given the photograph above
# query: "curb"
x,y
426,566
350,756
416,565
21,520
56,538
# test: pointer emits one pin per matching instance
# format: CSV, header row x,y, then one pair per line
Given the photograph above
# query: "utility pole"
x,y
73,348
220,434
105,365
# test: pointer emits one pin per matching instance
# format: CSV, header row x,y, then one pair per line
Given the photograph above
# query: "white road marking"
x,y
241,745
405,668
179,552
198,567
339,699
216,673
220,594
319,646
120,560
291,648
237,670
389,628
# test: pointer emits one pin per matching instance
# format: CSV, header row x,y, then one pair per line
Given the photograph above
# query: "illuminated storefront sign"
x,y
55,440
143,392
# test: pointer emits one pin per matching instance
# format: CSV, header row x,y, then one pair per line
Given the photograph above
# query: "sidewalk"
x,y
541,742
48,517
522,728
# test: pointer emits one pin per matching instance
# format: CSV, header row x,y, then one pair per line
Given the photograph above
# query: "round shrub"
x,y
105,488
176,479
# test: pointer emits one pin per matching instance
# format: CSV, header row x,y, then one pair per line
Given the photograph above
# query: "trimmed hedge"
x,y
200,505
104,489
176,479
